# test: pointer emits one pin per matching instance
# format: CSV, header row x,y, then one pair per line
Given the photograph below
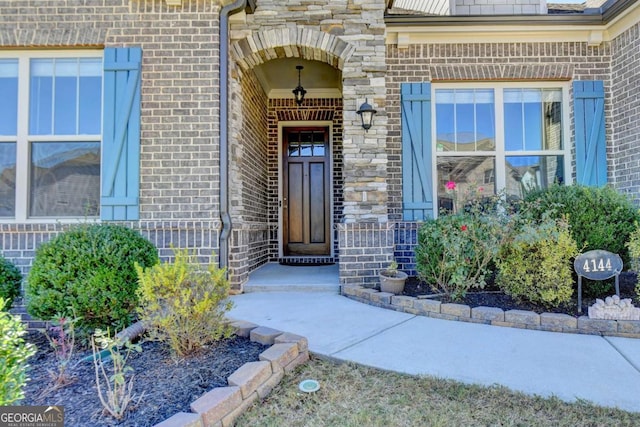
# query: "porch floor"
x,y
274,277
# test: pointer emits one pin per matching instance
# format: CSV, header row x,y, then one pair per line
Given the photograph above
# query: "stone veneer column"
x,y
366,238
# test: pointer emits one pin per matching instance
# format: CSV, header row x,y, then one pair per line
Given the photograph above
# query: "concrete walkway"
x,y
603,370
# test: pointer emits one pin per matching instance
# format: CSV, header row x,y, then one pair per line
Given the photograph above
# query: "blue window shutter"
x,y
417,188
591,148
121,134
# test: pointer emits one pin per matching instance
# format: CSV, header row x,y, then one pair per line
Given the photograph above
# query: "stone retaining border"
x,y
554,322
221,406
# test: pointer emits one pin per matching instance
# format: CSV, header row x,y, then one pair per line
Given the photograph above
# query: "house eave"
x,y
403,30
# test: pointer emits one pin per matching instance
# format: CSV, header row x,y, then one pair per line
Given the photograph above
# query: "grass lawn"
x,y
353,395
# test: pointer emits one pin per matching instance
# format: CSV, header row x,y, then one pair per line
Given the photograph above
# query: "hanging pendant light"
x,y
299,91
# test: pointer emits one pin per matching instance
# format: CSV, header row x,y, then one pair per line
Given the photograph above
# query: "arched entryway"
x,y
286,159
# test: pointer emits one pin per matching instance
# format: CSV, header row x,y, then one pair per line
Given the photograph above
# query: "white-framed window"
x,y
499,136
50,134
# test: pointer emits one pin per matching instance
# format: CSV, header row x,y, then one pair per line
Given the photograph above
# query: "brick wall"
x,y
484,62
18,242
481,62
625,65
179,119
249,182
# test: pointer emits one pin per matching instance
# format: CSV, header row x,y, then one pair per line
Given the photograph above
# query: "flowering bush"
x,y
456,252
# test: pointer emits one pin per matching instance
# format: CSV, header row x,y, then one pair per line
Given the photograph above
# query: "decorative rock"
x,y
614,308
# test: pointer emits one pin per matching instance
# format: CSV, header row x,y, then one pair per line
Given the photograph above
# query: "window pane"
x,y
472,175
41,97
465,120
65,179
532,126
527,173
445,129
90,96
65,96
306,136
465,123
7,179
552,107
9,91
305,150
532,119
318,149
513,126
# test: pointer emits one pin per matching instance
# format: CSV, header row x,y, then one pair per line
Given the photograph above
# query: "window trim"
x,y
22,140
500,152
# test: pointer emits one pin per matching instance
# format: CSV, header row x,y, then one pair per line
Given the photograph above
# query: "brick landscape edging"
x,y
554,322
250,382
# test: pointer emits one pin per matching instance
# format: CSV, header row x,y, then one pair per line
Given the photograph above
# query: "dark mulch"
x,y
169,385
491,296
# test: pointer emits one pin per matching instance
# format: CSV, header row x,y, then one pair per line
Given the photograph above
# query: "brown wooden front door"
x,y
306,195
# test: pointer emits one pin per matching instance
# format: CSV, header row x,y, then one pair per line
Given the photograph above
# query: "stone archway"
x,y
287,42
364,227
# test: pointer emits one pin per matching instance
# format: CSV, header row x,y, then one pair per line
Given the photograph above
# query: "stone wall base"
x,y
553,322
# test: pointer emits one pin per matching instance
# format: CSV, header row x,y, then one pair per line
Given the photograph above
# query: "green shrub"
x,y
10,280
183,303
14,353
456,252
536,265
600,218
89,272
633,246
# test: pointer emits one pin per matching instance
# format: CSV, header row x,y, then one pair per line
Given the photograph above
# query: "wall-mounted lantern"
x,y
366,113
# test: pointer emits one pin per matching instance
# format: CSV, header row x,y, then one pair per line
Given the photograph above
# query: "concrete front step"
x,y
290,287
273,277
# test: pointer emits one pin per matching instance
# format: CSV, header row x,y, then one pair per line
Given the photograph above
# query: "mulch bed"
x,y
491,296
169,385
